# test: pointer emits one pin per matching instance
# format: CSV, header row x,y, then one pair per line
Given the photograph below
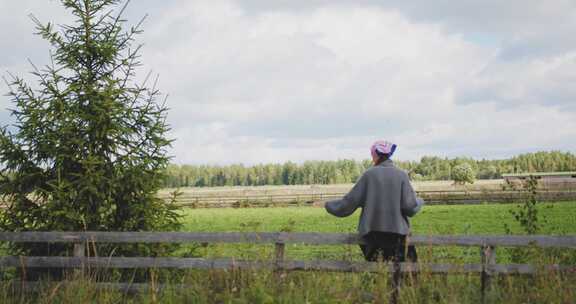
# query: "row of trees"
x,y
347,171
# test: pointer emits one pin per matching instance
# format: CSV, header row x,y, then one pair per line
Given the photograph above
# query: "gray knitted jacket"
x,y
386,197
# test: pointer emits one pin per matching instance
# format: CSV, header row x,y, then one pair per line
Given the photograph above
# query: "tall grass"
x,y
259,286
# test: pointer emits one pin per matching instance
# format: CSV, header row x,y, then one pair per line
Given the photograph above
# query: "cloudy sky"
x,y
259,81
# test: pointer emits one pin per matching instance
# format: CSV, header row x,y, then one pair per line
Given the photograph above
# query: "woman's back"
x,y
387,200
386,197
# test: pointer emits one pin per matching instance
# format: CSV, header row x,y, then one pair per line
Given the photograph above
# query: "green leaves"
x,y
526,213
463,173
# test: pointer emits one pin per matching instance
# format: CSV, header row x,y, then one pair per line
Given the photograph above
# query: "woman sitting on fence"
x,y
387,200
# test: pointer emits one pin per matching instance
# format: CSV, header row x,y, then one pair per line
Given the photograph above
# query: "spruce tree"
x,y
88,149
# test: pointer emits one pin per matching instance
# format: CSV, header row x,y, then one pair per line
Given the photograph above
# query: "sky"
x,y
259,81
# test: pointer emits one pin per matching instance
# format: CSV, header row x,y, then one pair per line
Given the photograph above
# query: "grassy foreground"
x,y
258,286
311,287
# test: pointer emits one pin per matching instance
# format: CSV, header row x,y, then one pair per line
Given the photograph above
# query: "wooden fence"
x,y
486,267
430,196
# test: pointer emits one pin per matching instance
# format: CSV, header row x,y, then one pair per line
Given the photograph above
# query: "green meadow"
x,y
483,219
560,218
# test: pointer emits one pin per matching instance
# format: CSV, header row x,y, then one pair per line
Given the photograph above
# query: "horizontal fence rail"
x,y
337,266
310,238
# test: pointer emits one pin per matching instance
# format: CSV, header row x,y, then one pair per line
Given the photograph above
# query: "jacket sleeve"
x,y
409,204
351,201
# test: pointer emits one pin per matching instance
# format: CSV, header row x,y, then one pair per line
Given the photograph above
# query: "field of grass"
x,y
436,219
485,219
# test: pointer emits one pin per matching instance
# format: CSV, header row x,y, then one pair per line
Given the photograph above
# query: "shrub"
x,y
463,173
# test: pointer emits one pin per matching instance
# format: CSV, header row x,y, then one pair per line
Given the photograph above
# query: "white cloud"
x,y
540,80
254,82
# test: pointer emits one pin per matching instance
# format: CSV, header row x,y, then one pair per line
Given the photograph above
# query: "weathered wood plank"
x,y
528,268
31,286
180,237
488,257
280,237
488,240
337,266
79,249
279,253
122,262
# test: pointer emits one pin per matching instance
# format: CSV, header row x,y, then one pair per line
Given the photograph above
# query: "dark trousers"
x,y
388,246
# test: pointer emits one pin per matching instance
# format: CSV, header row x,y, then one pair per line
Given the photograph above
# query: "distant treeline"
x,y
348,171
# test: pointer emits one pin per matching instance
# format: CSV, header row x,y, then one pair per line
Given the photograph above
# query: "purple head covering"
x,y
382,147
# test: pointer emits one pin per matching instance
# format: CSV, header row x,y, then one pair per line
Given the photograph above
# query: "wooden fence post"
x,y
278,258
488,254
279,254
80,252
396,278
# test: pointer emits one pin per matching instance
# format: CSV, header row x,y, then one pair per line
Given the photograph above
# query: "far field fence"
x,y
298,196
